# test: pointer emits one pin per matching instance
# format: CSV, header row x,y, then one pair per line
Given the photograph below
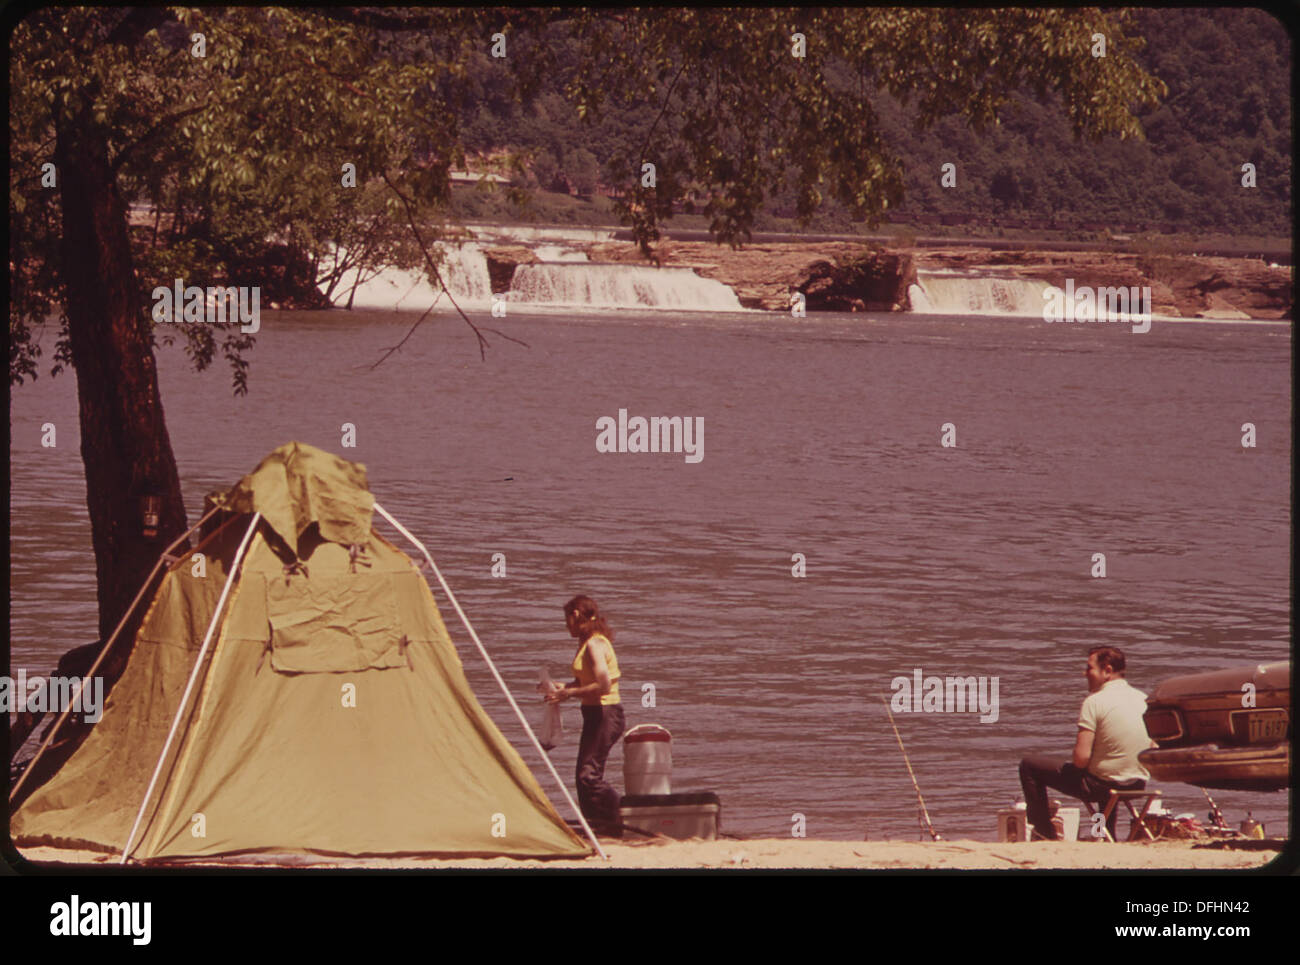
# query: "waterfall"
x,y
466,274
620,286
953,293
463,268
564,279
920,301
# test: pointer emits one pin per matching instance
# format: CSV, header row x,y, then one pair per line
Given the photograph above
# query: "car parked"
x,y
1228,729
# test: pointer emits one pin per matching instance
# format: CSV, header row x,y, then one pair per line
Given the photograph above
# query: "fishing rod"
x,y
923,813
1216,817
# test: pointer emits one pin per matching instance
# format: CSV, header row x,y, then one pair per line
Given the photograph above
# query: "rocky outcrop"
x,y
835,276
1233,285
874,282
844,276
502,262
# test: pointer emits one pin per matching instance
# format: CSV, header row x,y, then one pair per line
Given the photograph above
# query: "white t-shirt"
x,y
1114,715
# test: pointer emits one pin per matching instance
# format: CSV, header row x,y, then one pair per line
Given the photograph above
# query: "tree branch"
x,y
153,132
406,337
511,338
663,110
433,270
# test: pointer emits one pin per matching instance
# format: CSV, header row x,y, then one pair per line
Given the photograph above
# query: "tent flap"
x,y
297,485
334,624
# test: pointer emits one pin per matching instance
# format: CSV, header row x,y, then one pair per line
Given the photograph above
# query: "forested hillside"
x,y
1229,103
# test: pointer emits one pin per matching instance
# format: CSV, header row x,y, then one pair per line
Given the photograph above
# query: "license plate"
x,y
1265,727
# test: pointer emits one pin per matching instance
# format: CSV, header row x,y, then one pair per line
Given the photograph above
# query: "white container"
x,y
1070,818
647,760
1013,824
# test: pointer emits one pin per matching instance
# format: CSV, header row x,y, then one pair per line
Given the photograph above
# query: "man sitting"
x,y
1111,735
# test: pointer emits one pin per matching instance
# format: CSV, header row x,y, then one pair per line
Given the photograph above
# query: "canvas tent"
x,y
328,715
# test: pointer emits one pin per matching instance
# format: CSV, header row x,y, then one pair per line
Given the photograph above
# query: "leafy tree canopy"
x,y
245,144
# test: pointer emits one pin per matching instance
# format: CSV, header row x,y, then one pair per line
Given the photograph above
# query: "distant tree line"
x,y
1228,104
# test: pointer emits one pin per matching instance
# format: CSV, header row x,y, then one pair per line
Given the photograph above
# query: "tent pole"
x,y
506,690
180,708
49,736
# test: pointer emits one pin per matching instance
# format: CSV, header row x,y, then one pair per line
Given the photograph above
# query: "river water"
x,y
822,438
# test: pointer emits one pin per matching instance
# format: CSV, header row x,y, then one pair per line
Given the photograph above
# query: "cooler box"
x,y
675,815
1013,824
648,760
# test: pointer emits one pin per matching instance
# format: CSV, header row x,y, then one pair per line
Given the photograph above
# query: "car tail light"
x,y
1163,724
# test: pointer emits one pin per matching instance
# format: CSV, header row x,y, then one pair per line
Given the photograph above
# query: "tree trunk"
x,y
124,442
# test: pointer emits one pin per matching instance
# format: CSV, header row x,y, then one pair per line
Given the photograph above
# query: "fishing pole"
x,y
1216,816
923,813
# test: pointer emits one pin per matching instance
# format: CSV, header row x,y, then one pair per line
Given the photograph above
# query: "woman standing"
x,y
596,675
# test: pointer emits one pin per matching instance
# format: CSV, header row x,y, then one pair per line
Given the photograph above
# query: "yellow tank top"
x,y
583,671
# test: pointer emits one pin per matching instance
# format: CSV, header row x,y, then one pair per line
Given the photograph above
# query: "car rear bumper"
x,y
1257,768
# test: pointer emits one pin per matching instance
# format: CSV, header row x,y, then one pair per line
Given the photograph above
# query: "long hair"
x,y
590,622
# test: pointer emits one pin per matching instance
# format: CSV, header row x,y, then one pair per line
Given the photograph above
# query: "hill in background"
x,y
1229,102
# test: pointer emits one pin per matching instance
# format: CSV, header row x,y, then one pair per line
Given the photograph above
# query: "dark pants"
x,y
1037,774
601,728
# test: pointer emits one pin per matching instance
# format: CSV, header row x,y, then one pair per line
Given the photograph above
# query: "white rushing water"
x,y
564,279
464,268
620,286
954,293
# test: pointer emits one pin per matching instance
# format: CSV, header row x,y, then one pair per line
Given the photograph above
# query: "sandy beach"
x,y
794,854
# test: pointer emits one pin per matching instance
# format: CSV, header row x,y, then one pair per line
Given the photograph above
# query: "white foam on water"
x,y
919,300
954,293
620,286
463,268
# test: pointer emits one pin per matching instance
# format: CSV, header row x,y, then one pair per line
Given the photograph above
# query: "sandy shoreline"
x,y
802,854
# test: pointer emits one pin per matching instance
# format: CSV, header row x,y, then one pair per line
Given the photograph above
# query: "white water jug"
x,y
647,760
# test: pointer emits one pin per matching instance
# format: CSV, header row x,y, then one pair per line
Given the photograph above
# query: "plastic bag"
x,y
552,726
